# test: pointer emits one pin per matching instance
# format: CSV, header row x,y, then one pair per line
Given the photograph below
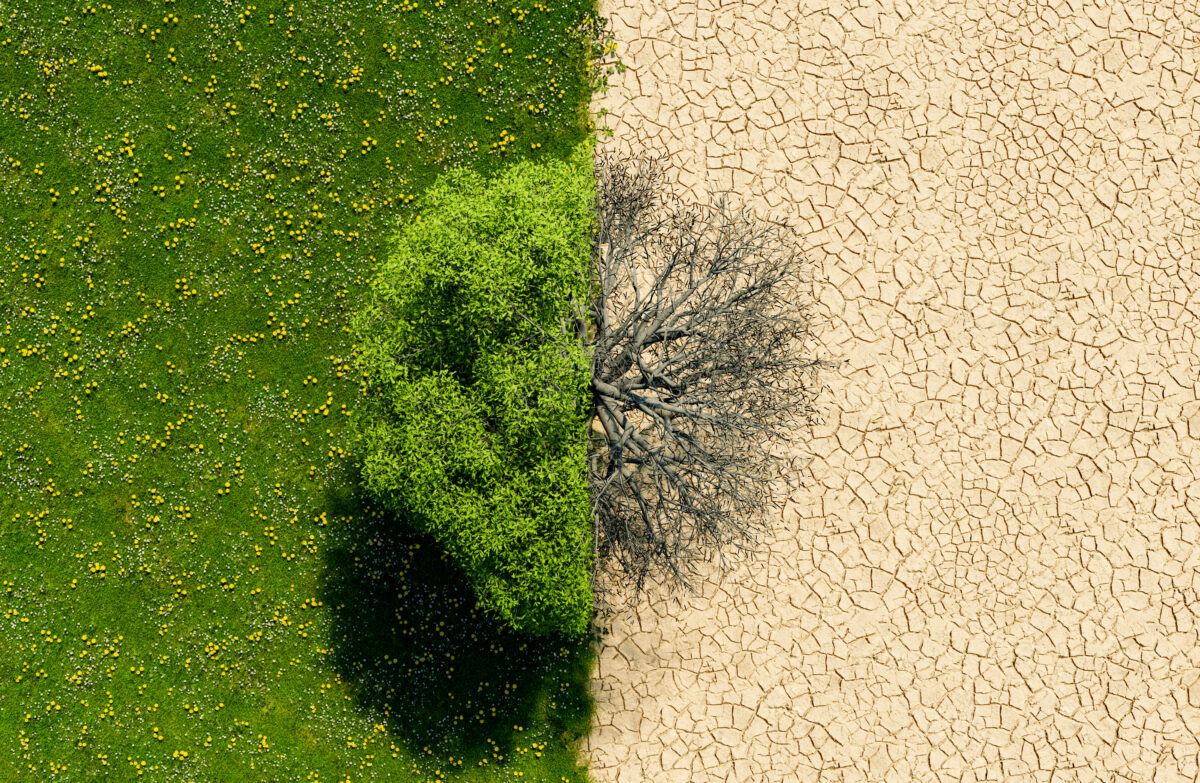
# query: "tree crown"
x,y
478,384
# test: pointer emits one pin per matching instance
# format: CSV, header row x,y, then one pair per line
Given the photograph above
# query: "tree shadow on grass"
x,y
445,679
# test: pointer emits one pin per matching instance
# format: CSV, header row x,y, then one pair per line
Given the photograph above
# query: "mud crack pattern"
x,y
992,573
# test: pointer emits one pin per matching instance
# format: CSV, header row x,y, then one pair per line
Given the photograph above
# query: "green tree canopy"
x,y
478,384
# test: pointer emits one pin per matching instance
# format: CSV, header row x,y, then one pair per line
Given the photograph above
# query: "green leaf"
x,y
476,428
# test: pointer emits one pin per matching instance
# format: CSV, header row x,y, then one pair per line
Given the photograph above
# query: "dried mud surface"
x,y
992,571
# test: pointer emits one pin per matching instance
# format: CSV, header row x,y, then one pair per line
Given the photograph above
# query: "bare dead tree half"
x,y
697,369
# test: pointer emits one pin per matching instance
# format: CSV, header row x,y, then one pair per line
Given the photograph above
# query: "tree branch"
x,y
700,354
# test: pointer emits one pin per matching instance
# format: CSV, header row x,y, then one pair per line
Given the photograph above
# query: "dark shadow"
x,y
441,675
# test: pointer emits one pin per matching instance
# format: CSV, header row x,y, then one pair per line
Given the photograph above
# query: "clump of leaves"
x,y
478,385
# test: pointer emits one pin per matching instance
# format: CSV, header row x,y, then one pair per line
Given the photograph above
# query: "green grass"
x,y
194,196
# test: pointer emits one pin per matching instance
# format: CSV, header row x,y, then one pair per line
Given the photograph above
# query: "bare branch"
x,y
696,333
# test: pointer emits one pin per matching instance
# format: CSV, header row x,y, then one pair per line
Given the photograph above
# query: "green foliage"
x,y
479,385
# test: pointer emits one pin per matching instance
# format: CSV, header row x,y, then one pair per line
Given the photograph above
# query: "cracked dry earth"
x,y
992,571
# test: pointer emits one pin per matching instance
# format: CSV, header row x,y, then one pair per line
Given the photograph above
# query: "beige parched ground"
x,y
992,573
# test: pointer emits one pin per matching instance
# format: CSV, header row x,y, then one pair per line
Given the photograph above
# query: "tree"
x,y
477,384
694,333
566,374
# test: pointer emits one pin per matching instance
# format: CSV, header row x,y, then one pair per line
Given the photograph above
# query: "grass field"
x,y
194,198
